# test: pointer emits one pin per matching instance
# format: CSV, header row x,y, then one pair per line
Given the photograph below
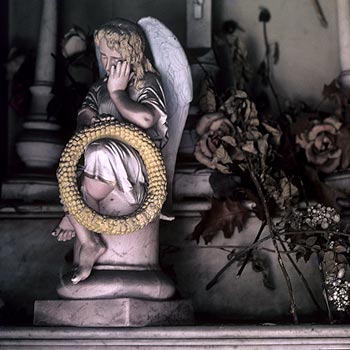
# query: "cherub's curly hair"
x,y
128,39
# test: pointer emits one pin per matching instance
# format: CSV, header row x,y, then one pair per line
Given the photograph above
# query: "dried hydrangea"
x,y
338,291
322,216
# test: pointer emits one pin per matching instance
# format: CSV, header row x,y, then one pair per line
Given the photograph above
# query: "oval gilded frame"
x,y
155,169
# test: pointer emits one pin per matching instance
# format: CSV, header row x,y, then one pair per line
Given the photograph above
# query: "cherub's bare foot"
x,y
89,253
64,231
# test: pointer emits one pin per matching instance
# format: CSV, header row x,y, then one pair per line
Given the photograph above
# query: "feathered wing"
x,y
171,62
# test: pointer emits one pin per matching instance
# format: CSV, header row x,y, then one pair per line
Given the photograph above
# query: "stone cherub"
x,y
114,180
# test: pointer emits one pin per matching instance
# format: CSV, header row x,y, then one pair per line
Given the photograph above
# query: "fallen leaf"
x,y
224,215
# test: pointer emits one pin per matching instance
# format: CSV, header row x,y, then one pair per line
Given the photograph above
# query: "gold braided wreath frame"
x,y
156,175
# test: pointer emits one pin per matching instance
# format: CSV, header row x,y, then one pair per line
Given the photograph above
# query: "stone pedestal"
x,y
128,268
126,288
106,284
123,312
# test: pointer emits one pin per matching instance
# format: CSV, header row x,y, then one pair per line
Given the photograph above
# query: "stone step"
x,y
119,312
260,337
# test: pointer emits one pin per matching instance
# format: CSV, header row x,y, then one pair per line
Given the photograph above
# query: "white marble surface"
x,y
269,337
136,250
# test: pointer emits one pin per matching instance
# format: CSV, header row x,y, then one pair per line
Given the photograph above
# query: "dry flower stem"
x,y
325,294
268,52
301,275
272,231
320,13
236,257
261,229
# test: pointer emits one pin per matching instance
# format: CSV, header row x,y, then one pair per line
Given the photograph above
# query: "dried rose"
x,y
239,108
212,128
321,145
74,42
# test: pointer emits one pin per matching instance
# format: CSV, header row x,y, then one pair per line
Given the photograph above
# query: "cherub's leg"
x,y
91,249
64,231
92,246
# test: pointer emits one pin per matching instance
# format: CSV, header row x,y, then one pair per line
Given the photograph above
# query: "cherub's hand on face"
x,y
119,77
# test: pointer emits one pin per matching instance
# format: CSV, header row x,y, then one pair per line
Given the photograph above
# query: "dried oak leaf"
x,y
224,215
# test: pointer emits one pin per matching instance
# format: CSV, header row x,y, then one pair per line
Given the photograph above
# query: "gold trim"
x,y
152,158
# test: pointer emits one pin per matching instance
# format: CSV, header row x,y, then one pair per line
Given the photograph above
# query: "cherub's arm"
x,y
88,112
142,115
85,118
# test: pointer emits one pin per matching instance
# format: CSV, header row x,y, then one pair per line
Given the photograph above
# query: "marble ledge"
x,y
10,210
37,196
197,337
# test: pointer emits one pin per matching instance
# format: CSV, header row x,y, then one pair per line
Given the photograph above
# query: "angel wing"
x,y
171,62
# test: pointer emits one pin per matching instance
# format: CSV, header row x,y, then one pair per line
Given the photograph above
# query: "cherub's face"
x,y
109,57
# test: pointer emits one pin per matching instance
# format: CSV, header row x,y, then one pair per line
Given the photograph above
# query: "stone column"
x,y
343,9
40,145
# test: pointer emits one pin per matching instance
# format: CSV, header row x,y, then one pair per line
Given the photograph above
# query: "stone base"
x,y
124,312
113,284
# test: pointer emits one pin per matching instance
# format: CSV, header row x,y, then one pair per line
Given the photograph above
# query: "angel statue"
x,y
114,180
